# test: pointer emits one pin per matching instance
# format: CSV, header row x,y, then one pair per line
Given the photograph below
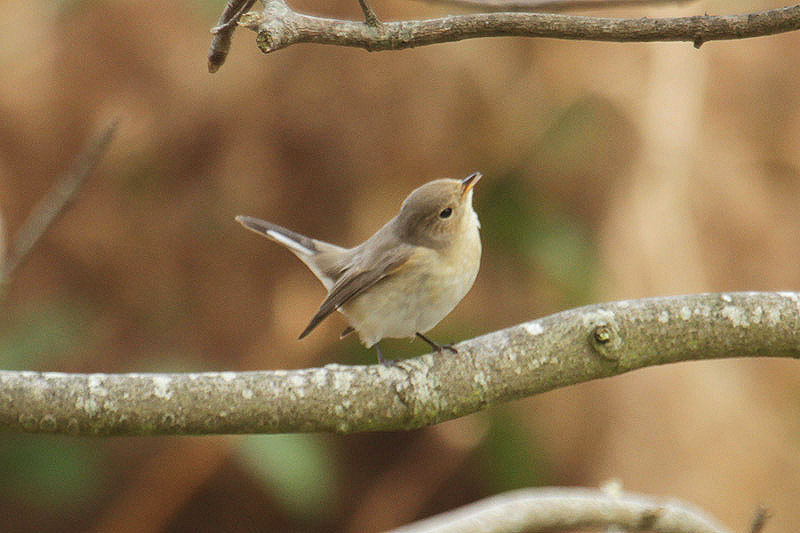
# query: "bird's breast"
x,y
419,294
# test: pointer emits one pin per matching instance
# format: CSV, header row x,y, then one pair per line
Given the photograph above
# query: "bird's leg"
x,y
381,360
437,347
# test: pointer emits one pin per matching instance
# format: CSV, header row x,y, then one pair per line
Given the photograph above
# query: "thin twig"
x,y
759,519
370,17
2,250
563,349
550,6
223,32
278,26
56,200
566,509
234,18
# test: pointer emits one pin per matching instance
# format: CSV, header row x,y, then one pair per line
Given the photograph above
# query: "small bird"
x,y
405,278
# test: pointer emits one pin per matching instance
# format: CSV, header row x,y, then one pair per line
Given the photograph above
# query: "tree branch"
x,y
370,17
56,201
550,6
563,349
566,509
223,32
278,26
2,251
234,9
759,519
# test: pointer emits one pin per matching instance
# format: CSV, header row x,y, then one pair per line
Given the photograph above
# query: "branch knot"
x,y
604,336
606,341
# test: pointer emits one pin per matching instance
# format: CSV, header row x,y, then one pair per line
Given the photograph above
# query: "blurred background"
x,y
612,171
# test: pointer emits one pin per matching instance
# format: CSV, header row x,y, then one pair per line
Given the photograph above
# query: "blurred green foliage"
x,y
518,222
51,473
42,335
532,211
161,362
583,140
299,470
508,457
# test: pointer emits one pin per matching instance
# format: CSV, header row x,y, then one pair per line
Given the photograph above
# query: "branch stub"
x,y
606,341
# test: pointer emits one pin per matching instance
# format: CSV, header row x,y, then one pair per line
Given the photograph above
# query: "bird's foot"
x,y
437,347
448,347
381,360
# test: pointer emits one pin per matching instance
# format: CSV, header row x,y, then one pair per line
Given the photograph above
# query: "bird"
x,y
406,277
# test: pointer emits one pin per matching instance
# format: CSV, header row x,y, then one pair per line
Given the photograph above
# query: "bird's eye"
x,y
446,212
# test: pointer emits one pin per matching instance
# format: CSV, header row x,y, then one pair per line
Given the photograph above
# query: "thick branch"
x,y
567,509
278,26
559,350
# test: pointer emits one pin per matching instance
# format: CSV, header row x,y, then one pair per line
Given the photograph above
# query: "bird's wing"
x,y
359,277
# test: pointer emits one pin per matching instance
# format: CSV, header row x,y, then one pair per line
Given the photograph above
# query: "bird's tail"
x,y
318,255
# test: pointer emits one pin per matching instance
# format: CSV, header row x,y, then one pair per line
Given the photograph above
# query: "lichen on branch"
x,y
570,347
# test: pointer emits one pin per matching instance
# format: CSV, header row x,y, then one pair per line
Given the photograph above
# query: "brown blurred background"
x,y
612,171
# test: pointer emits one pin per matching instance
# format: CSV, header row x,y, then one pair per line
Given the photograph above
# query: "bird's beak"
x,y
469,182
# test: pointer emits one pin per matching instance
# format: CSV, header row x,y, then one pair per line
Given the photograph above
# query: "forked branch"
x,y
279,26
